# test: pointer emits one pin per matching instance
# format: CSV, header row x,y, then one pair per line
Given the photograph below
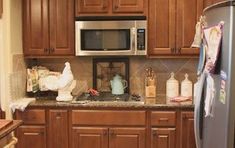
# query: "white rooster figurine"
x,y
66,84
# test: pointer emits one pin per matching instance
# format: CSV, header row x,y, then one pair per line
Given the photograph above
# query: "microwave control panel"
x,y
140,39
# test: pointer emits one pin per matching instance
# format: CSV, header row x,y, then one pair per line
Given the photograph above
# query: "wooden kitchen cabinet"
x,y
103,137
163,129
31,136
172,27
58,129
163,138
48,27
111,7
211,2
82,137
127,137
187,130
33,131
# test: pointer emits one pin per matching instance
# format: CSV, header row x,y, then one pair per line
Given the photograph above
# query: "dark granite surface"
x,y
160,104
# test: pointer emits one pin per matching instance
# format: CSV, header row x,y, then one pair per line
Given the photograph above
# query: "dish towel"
x,y
20,104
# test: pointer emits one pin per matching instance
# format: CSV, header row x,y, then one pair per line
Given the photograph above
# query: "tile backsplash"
x,y
82,71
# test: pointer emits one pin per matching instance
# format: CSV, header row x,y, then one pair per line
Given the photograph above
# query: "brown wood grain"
x,y
33,116
82,137
109,117
31,136
1,8
35,27
62,24
163,118
58,129
127,137
163,138
128,6
188,13
187,130
111,7
161,27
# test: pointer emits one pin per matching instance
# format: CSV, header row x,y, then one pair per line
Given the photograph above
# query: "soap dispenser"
x,y
186,87
172,87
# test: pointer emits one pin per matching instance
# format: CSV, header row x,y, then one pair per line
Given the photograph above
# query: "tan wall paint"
x,y
11,43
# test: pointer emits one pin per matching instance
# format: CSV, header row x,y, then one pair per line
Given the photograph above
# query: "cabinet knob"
x,y
116,7
111,133
104,7
154,133
46,50
58,116
105,132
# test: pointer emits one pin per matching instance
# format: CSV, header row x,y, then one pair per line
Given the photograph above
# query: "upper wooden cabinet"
x,y
171,26
48,27
111,7
211,2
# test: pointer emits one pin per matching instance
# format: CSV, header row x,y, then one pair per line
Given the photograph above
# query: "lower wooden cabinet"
x,y
163,138
102,137
58,129
31,137
65,128
89,137
127,137
187,136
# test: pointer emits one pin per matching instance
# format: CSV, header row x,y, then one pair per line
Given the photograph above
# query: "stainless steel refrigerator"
x,y
217,131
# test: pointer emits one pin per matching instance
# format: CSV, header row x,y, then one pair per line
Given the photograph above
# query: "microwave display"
x,y
105,39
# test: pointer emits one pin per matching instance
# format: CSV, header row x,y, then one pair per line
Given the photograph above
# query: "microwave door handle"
x,y
133,40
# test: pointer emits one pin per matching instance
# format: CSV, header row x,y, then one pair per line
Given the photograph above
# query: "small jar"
x,y
172,87
186,87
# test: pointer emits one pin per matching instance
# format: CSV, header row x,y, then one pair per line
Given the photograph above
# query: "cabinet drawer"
x,y
89,117
163,118
34,116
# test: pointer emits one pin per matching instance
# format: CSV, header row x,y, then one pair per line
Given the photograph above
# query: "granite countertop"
x,y
160,104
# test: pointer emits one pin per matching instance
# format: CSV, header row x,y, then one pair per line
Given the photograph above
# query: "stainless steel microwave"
x,y
121,37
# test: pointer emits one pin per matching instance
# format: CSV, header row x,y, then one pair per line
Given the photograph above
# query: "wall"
x,y
82,70
10,44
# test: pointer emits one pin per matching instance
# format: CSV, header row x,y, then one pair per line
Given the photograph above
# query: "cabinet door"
x,y
58,129
35,27
89,137
161,27
127,138
31,136
211,2
61,27
187,130
188,13
163,138
129,6
93,7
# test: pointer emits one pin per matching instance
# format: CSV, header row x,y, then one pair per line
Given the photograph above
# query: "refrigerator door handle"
x,y
198,111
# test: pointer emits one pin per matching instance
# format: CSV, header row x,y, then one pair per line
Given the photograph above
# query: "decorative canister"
x,y
172,87
186,87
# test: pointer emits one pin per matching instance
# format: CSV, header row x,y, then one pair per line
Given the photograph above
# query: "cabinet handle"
x,y
154,133
46,50
163,119
105,132
111,133
32,134
172,50
178,50
116,6
104,6
52,49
